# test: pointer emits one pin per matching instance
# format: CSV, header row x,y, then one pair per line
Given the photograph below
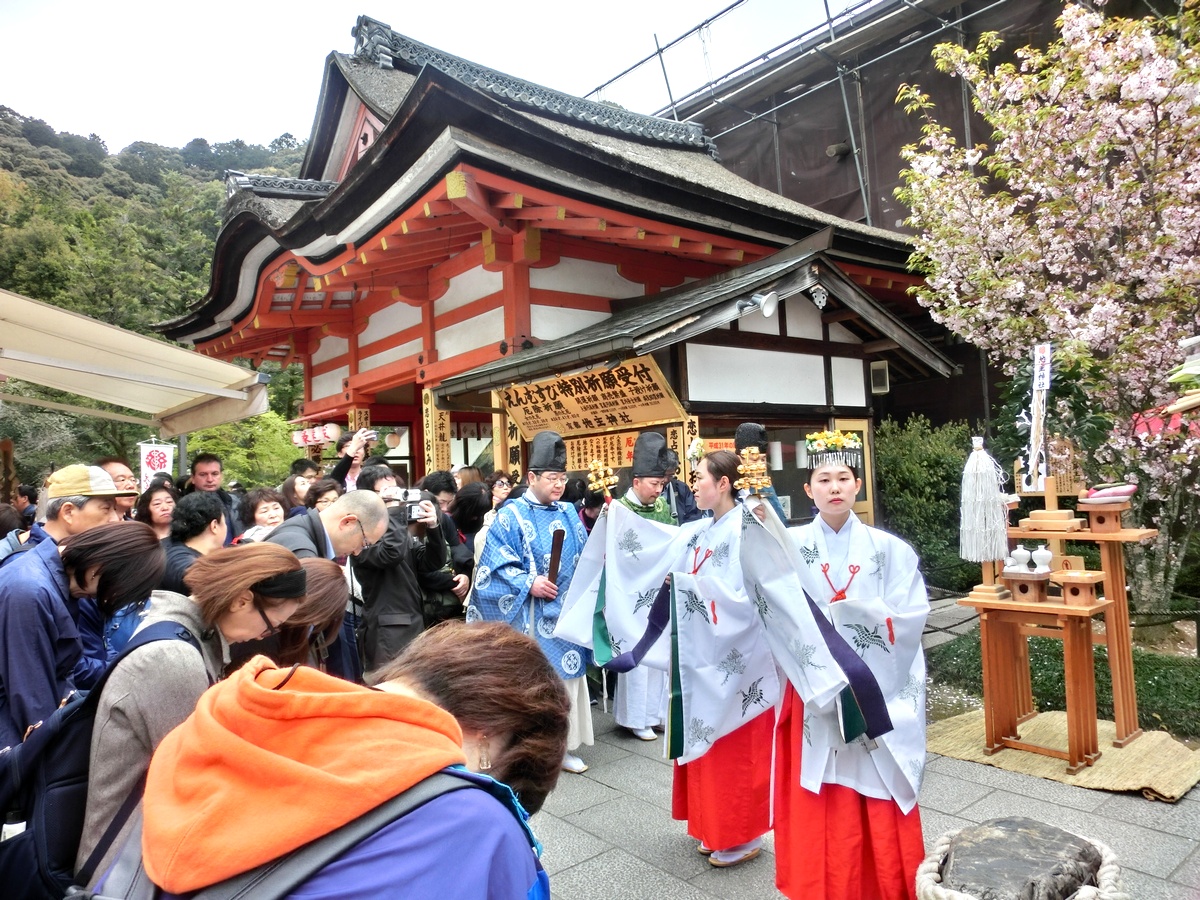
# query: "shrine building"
x,y
467,258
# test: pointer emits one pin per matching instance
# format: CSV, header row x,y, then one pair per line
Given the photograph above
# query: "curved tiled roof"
x,y
277,187
378,43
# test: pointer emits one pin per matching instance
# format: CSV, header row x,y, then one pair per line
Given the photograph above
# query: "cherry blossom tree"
x,y
1079,225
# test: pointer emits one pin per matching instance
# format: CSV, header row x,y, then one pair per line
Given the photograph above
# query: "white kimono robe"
x,y
882,617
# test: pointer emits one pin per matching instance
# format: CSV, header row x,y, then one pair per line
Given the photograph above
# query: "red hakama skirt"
x,y
725,795
838,844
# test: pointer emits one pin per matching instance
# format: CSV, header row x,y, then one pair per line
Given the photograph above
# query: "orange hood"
x,y
254,772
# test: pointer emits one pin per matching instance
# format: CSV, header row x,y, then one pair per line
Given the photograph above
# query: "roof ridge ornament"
x,y
378,43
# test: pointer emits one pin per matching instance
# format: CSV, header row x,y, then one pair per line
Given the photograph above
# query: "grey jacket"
x,y
150,692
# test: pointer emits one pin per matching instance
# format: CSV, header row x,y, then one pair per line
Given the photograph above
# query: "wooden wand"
x,y
556,543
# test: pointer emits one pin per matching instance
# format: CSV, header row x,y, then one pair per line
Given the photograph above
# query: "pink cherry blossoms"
x,y
1078,225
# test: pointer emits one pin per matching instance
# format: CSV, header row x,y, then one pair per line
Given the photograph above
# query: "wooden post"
x,y
8,471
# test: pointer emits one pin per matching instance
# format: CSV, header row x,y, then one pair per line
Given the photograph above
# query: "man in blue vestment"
x,y
512,583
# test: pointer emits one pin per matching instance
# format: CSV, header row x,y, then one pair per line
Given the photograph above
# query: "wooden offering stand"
x,y
1023,607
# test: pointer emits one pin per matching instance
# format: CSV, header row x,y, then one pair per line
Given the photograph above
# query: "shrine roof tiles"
x,y
376,42
277,187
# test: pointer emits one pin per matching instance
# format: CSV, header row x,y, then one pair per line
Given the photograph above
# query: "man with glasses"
x,y
640,704
349,525
123,477
511,583
388,571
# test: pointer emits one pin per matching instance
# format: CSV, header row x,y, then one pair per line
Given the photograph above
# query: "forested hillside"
x,y
126,238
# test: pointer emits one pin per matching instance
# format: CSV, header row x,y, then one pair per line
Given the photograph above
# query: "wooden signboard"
x,y
437,433
633,394
614,449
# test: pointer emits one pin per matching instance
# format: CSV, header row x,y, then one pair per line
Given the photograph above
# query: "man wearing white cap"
x,y
80,498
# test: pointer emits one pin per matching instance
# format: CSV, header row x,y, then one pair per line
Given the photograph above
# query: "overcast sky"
x,y
167,72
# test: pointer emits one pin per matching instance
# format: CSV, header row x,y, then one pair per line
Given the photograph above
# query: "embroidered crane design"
x,y
747,519
645,599
804,654
698,731
915,769
721,554
760,603
693,541
629,543
753,695
733,664
877,560
911,691
615,645
807,732
863,639
810,554
692,603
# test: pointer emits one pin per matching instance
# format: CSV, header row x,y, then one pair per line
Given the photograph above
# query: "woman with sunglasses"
x,y
241,593
500,486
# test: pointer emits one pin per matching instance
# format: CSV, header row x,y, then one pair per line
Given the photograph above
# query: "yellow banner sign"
x,y
614,449
632,394
436,423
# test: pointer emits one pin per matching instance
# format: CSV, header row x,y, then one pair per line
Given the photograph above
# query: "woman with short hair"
x,y
222,788
155,507
262,509
239,593
322,493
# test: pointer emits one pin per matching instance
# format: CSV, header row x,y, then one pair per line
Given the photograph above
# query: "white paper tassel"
x,y
983,523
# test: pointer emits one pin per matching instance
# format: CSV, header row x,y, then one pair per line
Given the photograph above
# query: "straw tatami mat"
x,y
1155,764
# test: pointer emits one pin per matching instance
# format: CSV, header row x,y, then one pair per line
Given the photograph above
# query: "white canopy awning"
x,y
180,389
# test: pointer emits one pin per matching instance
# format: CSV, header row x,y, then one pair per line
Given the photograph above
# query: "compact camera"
x,y
411,498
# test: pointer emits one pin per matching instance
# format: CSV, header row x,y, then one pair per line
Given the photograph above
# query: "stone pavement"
x,y
609,833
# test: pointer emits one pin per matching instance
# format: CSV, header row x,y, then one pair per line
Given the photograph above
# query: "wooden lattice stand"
x,y
1020,605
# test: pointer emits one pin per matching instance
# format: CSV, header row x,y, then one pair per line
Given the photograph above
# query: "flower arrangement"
x,y
825,441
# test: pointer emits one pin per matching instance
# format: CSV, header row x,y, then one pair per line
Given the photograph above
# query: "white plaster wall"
x,y
839,334
367,363
581,276
550,322
758,323
475,332
329,384
467,288
342,137
392,318
849,382
803,319
330,348
738,375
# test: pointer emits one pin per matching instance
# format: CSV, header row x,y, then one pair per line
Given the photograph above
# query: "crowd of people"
x,y
344,636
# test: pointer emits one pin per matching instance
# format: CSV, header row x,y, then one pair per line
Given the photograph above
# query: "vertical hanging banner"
x,y
1034,476
437,433
153,458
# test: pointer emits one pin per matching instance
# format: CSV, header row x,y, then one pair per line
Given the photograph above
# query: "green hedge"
x,y
918,473
1168,687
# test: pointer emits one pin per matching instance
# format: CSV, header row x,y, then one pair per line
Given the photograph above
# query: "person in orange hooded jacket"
x,y
272,759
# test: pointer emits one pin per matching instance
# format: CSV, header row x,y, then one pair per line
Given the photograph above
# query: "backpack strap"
x,y
127,879
158,631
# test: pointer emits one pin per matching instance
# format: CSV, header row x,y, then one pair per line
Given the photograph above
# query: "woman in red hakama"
x,y
838,844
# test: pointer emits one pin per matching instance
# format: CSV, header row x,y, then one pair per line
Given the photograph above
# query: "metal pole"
x,y
666,80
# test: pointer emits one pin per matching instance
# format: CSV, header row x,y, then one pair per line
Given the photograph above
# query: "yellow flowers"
x,y
824,441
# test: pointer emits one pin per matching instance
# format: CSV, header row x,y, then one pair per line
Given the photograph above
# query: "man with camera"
x,y
387,570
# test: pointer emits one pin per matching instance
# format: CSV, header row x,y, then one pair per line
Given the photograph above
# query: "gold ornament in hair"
x,y
753,469
601,478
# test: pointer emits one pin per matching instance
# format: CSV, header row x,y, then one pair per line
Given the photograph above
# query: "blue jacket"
x,y
39,641
88,618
